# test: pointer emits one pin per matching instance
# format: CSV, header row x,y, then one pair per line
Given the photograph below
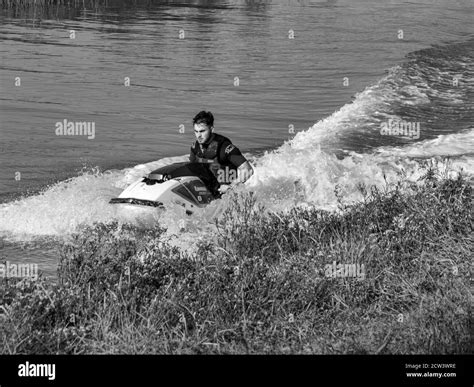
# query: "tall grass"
x,y
260,286
22,4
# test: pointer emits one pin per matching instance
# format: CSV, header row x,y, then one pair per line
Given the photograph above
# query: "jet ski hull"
x,y
176,184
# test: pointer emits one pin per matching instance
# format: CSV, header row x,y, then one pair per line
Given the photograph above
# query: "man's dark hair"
x,y
204,117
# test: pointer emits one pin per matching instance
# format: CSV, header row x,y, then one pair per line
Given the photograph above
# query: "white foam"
x,y
60,208
458,144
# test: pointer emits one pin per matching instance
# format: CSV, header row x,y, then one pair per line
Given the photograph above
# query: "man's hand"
x,y
245,171
224,188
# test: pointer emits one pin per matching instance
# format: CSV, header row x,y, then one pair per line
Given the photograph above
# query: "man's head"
x,y
203,124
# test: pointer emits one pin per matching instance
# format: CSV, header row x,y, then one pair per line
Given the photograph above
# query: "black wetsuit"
x,y
223,159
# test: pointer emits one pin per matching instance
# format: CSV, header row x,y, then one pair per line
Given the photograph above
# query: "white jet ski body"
x,y
186,184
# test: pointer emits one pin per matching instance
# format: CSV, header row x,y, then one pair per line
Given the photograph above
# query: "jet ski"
x,y
191,185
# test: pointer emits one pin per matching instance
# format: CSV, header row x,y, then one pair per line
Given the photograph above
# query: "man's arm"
x,y
233,155
244,172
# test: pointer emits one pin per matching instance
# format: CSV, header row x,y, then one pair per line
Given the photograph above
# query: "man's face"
x,y
202,132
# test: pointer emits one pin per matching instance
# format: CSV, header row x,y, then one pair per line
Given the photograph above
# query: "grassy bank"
x,y
261,285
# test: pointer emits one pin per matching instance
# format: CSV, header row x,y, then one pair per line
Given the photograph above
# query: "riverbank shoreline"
x,y
262,286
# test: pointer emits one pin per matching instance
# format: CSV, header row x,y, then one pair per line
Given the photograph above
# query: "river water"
x,y
301,87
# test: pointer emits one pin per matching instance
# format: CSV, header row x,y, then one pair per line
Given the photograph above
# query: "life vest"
x,y
210,155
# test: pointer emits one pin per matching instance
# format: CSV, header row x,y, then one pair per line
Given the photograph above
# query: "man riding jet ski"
x,y
226,162
215,167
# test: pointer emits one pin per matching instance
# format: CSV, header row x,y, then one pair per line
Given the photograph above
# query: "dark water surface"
x,y
350,67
